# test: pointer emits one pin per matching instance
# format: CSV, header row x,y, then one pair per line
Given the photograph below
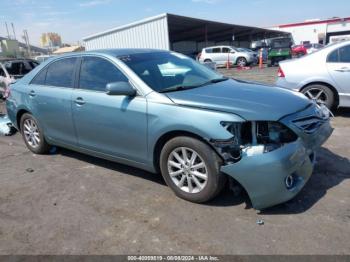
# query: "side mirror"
x,y
120,89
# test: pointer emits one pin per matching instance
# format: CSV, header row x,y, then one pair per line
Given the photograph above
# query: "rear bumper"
x,y
282,82
264,176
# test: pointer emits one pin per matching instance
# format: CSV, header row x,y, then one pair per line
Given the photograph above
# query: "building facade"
x,y
318,31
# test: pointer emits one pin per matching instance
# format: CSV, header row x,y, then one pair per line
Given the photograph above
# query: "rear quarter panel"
x,y
305,70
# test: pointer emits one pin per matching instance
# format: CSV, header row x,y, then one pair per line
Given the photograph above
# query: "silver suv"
x,y
220,55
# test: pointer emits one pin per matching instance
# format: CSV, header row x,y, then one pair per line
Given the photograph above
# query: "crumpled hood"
x,y
251,101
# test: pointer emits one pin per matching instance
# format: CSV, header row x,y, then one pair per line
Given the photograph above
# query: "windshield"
x,y
280,44
167,70
241,49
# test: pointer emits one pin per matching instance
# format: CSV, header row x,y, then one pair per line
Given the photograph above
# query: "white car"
x,y
5,79
323,76
221,54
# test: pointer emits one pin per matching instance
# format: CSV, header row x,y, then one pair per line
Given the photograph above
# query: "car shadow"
x,y
156,178
330,170
342,111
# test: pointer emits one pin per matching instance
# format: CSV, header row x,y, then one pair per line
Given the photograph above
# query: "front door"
x,y
112,125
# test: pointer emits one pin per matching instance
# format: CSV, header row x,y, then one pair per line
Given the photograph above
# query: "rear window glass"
x,y
344,54
40,78
61,72
209,50
333,57
217,50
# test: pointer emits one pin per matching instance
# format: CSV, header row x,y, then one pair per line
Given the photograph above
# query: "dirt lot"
x,y
69,203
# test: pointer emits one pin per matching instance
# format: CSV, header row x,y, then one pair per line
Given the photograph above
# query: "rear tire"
x,y
321,93
197,182
33,135
207,61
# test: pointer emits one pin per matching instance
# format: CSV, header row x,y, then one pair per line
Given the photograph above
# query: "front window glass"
x,y
226,50
96,73
165,70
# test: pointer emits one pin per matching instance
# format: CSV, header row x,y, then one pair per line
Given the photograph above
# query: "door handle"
x,y
343,69
32,93
79,101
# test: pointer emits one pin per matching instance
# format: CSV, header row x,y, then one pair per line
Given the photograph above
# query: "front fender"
x,y
165,118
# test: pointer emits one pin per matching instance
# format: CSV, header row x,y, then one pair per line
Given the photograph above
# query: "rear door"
x,y
216,55
338,65
50,98
112,125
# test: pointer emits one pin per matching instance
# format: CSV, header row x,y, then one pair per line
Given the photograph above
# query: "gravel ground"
x,y
69,203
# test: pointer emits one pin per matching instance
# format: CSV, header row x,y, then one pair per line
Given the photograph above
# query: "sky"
x,y
75,19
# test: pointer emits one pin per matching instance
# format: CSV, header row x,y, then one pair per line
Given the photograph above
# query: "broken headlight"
x,y
252,138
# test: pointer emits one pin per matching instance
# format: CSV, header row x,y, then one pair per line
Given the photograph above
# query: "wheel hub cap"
x,y
31,132
187,170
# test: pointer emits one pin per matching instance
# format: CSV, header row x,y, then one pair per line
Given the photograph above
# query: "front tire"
x,y
241,61
321,94
33,135
191,169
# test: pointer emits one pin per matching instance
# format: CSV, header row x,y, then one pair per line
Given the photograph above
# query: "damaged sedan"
x,y
164,112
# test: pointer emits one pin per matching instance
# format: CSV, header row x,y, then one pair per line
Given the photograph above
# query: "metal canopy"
x,y
182,28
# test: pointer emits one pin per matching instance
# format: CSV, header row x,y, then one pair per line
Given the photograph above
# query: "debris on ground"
x,y
30,170
53,150
6,127
260,222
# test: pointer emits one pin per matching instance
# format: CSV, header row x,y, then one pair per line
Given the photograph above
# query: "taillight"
x,y
7,92
199,56
280,72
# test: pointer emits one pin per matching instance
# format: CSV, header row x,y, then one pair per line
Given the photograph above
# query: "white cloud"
x,y
94,3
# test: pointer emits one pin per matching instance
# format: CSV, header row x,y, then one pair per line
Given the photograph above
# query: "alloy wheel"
x,y
31,132
241,62
317,95
187,170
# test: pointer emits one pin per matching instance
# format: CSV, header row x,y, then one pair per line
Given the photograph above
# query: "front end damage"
x,y
273,160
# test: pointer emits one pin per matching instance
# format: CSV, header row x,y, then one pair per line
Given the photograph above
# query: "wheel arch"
x,y
334,90
19,115
170,135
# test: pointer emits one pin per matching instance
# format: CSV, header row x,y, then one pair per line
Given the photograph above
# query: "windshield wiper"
x,y
176,88
183,87
217,80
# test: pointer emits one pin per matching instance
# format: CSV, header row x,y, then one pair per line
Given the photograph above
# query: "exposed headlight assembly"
x,y
252,138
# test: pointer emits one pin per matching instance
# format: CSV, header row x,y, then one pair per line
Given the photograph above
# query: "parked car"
x,y
255,53
42,58
5,80
323,76
17,68
193,125
300,50
220,55
279,50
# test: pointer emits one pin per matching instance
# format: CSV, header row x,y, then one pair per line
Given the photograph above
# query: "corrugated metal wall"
x,y
148,34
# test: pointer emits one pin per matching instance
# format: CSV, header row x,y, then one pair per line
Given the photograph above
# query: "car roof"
x,y
116,52
218,46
